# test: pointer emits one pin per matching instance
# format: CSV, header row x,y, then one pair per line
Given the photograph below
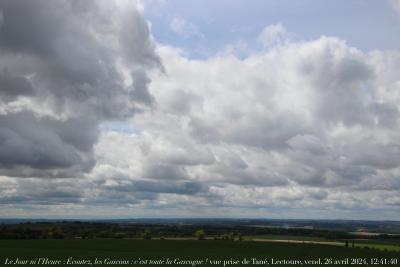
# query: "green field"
x,y
131,250
289,237
378,246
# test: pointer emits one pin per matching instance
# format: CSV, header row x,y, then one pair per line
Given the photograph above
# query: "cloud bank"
x,y
88,121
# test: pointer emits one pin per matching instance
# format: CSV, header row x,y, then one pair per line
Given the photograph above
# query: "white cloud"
x,y
309,115
305,129
274,34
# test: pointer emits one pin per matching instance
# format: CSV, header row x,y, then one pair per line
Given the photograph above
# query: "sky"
x,y
233,109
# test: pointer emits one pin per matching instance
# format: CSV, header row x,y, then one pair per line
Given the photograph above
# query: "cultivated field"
x,y
183,252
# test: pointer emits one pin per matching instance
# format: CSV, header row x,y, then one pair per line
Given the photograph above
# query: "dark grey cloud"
x,y
134,38
77,56
307,143
143,192
14,86
37,192
319,195
65,58
49,198
165,172
386,114
140,92
32,146
112,197
379,181
169,187
377,156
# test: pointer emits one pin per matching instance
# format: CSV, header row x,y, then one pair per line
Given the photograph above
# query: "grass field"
x,y
378,244
288,237
385,245
131,251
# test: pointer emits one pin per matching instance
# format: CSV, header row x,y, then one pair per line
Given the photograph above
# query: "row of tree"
x,y
147,231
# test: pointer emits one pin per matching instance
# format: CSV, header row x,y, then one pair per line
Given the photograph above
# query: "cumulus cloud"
x,y
44,146
300,128
13,86
313,115
305,126
273,34
33,191
66,67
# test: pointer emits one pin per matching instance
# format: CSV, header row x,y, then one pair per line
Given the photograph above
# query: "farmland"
x,y
183,252
193,243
